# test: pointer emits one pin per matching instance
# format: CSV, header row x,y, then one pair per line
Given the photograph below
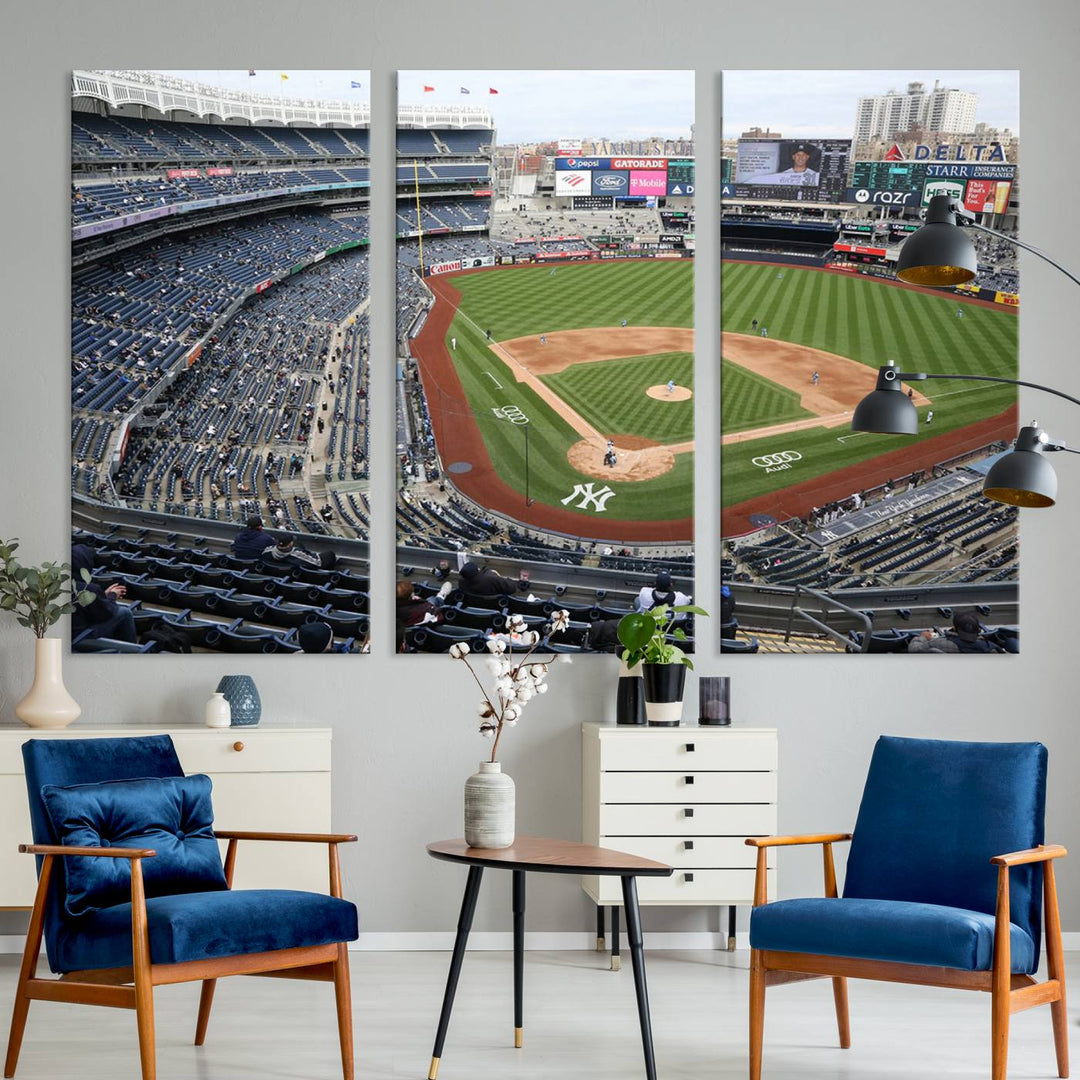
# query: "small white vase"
x,y
48,704
489,808
218,711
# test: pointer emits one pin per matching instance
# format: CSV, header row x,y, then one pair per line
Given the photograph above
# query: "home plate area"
x,y
636,458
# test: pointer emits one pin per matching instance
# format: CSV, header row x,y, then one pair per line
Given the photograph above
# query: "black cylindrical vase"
x,y
664,684
630,700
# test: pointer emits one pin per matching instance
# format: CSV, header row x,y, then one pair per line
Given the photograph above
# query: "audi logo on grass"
x,y
776,462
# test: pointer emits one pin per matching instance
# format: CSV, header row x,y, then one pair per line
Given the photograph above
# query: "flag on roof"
x,y
429,89
465,90
251,71
354,85
284,76
492,90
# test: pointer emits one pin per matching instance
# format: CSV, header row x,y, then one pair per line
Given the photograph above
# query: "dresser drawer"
x,y
708,888
670,819
689,749
706,853
261,751
686,787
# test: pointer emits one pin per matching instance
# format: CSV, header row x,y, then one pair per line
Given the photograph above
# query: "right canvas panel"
x,y
836,537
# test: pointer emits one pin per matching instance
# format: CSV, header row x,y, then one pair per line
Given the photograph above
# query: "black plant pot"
x,y
630,699
664,685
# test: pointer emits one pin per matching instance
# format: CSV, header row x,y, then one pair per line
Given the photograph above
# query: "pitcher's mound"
x,y
637,458
680,393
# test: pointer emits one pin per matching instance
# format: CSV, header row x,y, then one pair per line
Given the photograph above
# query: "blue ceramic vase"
x,y
243,699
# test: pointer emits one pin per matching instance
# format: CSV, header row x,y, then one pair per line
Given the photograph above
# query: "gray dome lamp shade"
x,y
1023,477
940,253
886,410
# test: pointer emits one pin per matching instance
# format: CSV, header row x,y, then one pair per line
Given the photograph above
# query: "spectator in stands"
x,y
318,637
728,623
965,636
489,582
251,542
413,610
659,593
105,617
604,636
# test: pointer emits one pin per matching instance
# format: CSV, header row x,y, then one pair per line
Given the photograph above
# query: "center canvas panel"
x,y
219,295
837,536
545,244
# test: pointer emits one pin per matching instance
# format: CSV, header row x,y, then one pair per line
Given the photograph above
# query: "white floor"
x,y
580,1021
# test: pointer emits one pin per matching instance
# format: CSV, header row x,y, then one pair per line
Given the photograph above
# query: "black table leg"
x,y
637,958
600,946
468,908
519,955
616,958
731,927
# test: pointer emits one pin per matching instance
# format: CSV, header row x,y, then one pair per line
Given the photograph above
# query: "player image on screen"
x,y
805,159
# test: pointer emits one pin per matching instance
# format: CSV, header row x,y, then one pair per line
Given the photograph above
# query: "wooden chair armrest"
x,y
1042,853
99,852
792,841
299,838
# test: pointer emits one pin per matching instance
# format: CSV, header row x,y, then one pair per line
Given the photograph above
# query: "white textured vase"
x,y
218,711
489,807
48,704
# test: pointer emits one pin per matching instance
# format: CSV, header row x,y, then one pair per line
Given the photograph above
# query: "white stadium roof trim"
x,y
166,95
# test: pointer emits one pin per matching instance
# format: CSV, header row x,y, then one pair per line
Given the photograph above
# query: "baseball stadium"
x,y
219,440
546,343
841,540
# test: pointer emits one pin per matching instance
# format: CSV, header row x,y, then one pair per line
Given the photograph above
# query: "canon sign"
x,y
882,198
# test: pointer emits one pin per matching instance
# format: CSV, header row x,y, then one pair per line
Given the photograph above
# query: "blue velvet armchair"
x,y
945,875
132,893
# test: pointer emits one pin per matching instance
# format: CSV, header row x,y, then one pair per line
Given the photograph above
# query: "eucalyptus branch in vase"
x,y
518,678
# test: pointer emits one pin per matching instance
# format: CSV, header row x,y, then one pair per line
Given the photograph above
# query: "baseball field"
x,y
587,355
843,326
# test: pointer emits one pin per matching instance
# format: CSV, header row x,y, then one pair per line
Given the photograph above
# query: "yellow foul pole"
x,y
419,219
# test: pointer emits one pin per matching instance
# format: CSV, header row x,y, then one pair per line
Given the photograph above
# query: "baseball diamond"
x,y
843,326
612,334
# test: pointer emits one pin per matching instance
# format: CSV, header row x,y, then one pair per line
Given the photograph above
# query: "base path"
x,y
458,439
799,499
564,348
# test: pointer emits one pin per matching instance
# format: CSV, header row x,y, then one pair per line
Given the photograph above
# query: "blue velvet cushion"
x,y
899,931
935,813
200,926
171,815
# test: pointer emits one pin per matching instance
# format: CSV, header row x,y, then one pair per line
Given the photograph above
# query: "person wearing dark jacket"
x,y
104,617
251,542
413,610
487,582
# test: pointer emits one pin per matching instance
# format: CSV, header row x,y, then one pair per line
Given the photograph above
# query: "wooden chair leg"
x,y
839,989
206,1000
343,993
757,1011
144,987
28,969
1055,968
1001,981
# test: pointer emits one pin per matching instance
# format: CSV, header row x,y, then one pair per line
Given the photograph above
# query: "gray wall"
x,y
403,726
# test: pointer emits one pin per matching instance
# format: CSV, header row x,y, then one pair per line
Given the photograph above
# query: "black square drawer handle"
x,y
689,878
688,779
688,845
688,812
689,747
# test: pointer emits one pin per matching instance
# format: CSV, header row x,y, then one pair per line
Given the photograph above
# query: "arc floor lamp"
x,y
941,254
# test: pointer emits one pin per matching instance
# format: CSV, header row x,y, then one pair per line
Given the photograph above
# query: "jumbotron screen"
x,y
805,170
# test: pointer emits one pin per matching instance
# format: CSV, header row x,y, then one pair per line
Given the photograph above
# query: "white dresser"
x,y
270,779
686,796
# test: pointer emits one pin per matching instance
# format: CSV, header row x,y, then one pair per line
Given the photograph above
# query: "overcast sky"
x,y
328,85
822,103
536,105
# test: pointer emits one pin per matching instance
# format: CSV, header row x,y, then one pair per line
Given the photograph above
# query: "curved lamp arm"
x,y
890,374
963,221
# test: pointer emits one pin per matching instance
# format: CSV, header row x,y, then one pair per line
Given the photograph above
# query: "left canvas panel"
x,y
219,360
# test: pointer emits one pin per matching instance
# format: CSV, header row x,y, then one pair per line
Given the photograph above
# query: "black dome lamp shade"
x,y
1023,477
886,410
940,253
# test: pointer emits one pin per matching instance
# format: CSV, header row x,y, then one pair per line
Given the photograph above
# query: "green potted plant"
x,y
39,596
646,637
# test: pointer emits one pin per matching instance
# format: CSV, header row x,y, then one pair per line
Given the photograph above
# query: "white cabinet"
x,y
686,796
265,779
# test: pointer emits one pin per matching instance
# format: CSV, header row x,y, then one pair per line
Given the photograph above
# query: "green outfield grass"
x,y
611,395
748,398
872,322
514,303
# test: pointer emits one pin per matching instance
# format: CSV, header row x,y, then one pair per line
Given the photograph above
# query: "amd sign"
x,y
882,198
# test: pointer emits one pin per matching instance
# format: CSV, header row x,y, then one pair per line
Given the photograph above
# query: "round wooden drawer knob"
x,y
238,746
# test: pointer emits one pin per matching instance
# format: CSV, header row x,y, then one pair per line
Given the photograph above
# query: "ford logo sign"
x,y
610,183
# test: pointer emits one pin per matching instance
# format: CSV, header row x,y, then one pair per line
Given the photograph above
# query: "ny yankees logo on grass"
x,y
598,499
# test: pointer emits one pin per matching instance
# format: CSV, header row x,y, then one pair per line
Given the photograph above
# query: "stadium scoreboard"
x,y
789,170
889,175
